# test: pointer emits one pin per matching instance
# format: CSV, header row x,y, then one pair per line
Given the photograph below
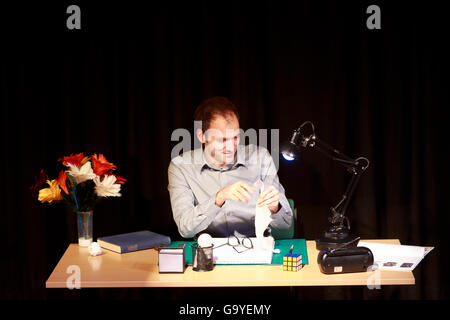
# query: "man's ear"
x,y
200,135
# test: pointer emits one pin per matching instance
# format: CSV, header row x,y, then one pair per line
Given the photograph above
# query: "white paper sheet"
x,y
262,221
228,255
396,257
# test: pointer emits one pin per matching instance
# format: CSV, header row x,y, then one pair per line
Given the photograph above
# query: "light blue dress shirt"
x,y
194,183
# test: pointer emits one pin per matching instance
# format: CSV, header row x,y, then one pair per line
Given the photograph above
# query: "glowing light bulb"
x,y
288,157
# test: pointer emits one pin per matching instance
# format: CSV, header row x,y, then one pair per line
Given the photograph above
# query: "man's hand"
x,y
269,198
238,191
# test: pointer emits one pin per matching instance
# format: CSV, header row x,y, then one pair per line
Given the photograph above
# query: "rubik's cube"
x,y
292,262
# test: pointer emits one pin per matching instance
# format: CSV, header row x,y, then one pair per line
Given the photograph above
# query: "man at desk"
x,y
212,188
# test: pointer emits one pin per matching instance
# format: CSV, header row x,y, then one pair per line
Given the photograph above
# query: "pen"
x,y
292,248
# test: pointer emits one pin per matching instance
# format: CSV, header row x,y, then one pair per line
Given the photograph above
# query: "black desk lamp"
x,y
338,233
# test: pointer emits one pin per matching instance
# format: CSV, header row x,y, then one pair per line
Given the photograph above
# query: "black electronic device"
x,y
345,259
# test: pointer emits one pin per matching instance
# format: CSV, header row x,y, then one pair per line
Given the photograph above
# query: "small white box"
x,y
171,260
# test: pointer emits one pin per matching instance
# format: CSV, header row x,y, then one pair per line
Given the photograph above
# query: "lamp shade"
x,y
289,151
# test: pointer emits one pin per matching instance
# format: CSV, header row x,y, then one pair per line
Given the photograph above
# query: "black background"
x,y
135,72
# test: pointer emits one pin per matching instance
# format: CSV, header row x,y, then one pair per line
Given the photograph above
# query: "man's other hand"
x,y
269,198
238,191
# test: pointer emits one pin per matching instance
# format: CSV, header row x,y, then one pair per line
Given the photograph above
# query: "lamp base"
x,y
331,243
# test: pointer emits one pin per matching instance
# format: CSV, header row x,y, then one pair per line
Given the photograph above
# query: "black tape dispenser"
x,y
345,259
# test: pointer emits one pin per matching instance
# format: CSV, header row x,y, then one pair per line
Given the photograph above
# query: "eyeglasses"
x,y
236,243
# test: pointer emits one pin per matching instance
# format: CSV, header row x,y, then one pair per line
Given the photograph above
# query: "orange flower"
x,y
76,160
62,178
101,165
85,159
50,194
120,180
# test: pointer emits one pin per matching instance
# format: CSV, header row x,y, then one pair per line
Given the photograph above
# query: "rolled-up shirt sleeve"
x,y
190,218
283,218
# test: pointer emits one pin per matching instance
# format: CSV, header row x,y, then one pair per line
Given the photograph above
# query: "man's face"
x,y
221,139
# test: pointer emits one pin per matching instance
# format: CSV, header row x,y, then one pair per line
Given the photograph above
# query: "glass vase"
x,y
84,222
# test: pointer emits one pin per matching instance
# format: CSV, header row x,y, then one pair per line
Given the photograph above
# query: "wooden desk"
x,y
140,269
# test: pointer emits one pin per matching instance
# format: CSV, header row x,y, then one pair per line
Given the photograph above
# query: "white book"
x,y
396,257
226,254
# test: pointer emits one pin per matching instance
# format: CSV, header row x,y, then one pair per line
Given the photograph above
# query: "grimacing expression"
x,y
221,139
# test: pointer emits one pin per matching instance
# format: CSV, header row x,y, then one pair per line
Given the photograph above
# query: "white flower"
x,y
107,187
81,174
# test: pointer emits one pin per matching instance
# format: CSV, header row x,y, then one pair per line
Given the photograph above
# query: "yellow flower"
x,y
50,194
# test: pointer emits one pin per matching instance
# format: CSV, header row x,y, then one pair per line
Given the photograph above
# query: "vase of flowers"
x,y
83,183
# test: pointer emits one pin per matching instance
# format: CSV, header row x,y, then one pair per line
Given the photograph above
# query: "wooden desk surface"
x,y
140,269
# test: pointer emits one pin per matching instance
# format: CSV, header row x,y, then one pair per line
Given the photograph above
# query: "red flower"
x,y
38,183
101,165
73,159
120,180
62,178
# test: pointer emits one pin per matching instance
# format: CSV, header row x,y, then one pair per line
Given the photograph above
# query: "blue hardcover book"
x,y
133,241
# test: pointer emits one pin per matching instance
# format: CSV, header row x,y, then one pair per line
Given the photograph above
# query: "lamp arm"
x,y
339,210
355,166
299,138
334,154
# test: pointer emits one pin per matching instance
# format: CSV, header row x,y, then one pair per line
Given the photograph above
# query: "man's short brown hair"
x,y
213,107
